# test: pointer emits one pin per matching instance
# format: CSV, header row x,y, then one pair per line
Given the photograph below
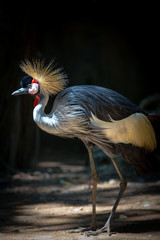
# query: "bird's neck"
x,y
47,122
40,103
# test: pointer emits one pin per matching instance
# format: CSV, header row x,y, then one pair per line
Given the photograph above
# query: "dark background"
x,y
96,43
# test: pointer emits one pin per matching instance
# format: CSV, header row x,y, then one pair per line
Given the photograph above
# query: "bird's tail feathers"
x,y
155,121
154,157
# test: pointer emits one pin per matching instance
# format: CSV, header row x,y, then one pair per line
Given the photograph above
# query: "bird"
x,y
96,115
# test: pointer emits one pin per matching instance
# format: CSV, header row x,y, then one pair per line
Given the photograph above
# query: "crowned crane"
x,y
98,116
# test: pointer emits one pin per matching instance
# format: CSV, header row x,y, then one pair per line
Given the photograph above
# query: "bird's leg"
x,y
94,190
94,182
123,184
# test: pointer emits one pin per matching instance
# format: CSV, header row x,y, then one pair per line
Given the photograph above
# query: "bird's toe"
x,y
105,228
78,230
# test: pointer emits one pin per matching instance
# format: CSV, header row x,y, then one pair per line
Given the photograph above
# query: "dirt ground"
x,y
46,202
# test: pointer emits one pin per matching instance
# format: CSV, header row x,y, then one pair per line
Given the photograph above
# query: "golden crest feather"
x,y
51,80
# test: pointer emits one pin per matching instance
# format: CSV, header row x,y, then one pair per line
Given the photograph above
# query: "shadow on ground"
x,y
56,197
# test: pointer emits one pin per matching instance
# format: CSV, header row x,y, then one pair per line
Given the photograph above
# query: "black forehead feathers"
x,y
25,81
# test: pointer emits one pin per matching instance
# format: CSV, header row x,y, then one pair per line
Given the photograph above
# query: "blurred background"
x,y
111,46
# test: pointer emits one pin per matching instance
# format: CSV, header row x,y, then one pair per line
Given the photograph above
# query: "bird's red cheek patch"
x,y
36,101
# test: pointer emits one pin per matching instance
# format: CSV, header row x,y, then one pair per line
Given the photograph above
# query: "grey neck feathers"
x,y
47,122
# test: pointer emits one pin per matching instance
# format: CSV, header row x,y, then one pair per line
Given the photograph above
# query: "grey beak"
x,y
20,91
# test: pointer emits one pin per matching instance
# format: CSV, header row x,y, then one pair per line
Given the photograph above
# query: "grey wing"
x,y
74,107
102,102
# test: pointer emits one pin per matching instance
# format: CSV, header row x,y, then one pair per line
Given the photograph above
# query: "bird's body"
x,y
73,108
96,115
83,111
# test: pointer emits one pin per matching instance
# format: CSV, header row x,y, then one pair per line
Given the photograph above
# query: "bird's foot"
x,y
105,228
83,229
80,229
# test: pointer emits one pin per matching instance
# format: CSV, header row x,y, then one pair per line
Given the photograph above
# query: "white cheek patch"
x,y
33,89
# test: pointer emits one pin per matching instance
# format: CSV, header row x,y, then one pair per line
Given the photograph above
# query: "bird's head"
x,y
29,85
41,78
